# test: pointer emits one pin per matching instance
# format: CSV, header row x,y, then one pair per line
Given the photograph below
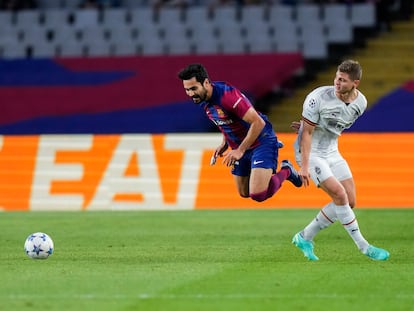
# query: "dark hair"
x,y
194,71
352,68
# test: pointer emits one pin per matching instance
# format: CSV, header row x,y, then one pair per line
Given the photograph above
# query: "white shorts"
x,y
321,168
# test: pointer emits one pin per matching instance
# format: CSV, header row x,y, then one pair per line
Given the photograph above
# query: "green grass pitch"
x,y
204,260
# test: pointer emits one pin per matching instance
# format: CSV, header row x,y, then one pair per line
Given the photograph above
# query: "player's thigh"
x,y
340,167
259,179
319,170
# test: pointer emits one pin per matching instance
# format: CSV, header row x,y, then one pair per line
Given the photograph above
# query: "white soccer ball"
x,y
38,246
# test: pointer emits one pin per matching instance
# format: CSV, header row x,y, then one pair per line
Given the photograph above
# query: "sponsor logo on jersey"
x,y
220,112
222,122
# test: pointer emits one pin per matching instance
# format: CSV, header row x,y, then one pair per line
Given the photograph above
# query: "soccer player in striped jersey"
x,y
327,111
253,153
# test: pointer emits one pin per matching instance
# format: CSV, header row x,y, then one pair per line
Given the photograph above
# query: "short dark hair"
x,y
194,71
352,68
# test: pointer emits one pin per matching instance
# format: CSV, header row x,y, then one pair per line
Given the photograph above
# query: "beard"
x,y
198,98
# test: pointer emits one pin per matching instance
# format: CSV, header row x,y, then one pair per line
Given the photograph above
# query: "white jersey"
x,y
331,117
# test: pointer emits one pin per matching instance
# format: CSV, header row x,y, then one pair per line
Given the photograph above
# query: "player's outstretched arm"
x,y
305,148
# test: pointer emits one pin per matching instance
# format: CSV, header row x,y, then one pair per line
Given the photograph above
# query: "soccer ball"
x,y
38,246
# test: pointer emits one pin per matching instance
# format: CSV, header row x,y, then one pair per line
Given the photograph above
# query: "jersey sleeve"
x,y
310,113
236,102
362,104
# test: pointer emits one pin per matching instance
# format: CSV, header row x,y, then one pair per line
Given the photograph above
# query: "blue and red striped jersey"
x,y
226,109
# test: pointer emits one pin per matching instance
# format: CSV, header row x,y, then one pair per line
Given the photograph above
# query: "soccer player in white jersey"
x,y
327,111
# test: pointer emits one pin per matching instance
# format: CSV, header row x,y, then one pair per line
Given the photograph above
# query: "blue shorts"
x,y
263,156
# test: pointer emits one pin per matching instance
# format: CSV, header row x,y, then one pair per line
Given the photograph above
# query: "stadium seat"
x,y
152,46
168,16
6,18
124,49
285,37
204,47
232,45
149,39
313,39
285,44
148,32
92,34
280,14
253,21
56,18
335,13
114,17
196,16
315,49
204,38
43,50
229,30
180,46
9,34
71,49
224,14
311,30
65,34
13,50
259,28
119,34
308,13
28,18
33,35
97,49
85,18
280,19
338,23
251,14
174,32
259,44
142,16
363,15
340,32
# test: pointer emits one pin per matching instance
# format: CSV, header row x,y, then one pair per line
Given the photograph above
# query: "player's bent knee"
x,y
243,195
259,197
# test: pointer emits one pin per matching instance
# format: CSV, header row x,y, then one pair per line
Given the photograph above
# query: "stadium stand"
x,y
321,34
306,28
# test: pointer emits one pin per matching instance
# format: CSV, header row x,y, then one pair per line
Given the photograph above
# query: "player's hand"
x,y
295,125
232,156
305,176
218,153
